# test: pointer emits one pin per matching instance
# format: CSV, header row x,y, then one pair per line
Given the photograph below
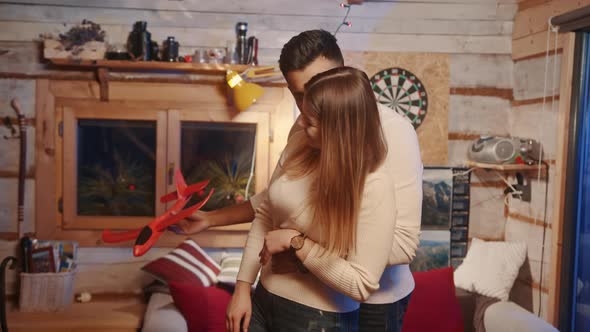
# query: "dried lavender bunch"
x,y
81,34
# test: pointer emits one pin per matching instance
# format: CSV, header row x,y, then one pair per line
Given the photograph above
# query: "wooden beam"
x,y
103,80
120,77
130,66
49,75
207,239
565,90
539,55
486,238
486,92
489,184
516,103
534,285
528,219
45,170
507,167
463,136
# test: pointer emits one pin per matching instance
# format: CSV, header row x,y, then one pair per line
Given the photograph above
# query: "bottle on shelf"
x,y
241,42
139,43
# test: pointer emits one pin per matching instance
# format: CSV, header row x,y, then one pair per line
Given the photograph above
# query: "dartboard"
x,y
401,91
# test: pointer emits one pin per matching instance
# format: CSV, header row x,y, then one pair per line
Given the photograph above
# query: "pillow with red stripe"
x,y
188,263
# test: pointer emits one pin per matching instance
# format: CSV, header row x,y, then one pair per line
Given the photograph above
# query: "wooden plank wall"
x,y
532,116
530,25
476,35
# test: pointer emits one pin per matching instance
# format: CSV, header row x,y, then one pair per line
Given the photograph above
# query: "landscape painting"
x,y
437,190
433,252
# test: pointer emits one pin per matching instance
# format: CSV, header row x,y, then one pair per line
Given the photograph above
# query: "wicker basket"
x,y
46,291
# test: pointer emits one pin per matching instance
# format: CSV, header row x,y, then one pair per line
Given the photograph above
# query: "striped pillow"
x,y
230,266
187,263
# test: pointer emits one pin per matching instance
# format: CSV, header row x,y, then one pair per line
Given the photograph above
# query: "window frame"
x,y
52,96
210,113
102,111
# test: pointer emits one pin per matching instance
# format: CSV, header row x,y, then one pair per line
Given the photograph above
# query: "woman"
x,y
330,215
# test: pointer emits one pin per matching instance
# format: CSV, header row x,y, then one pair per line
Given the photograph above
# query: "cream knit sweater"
x,y
334,283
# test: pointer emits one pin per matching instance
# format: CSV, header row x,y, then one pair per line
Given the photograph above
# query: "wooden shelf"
x,y
506,167
120,65
103,68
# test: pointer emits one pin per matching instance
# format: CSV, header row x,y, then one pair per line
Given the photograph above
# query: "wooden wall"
x,y
476,35
530,25
530,117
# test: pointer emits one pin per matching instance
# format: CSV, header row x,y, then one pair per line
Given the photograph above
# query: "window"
x,y
142,119
116,167
222,153
118,160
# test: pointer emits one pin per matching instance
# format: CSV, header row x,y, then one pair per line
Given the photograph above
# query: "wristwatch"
x,y
297,242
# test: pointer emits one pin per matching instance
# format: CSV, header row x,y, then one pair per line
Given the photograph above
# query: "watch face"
x,y
297,242
402,92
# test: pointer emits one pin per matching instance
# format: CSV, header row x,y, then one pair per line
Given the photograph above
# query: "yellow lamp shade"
x,y
245,94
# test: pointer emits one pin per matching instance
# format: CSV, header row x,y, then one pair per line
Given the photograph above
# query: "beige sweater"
x,y
355,278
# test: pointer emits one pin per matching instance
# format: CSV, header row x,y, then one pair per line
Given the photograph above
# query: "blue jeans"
x,y
383,317
272,313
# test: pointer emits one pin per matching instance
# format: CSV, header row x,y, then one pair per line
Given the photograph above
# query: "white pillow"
x,y
490,268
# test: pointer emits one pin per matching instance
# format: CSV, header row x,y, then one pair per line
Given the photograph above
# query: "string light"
x,y
344,20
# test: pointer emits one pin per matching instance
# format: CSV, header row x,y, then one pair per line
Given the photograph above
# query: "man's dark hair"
x,y
304,48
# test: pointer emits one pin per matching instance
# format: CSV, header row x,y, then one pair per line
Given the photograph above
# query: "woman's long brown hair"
x,y
352,146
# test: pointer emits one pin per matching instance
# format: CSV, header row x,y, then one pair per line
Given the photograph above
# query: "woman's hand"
x,y
239,309
196,223
275,242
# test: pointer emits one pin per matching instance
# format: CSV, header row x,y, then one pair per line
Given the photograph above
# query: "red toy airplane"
x,y
148,235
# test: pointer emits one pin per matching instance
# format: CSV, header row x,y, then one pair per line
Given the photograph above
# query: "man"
x,y
304,56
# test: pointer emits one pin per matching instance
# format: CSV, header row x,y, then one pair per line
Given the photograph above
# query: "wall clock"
x,y
403,92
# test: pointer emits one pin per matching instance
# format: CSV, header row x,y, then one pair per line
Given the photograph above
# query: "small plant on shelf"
x,y
82,41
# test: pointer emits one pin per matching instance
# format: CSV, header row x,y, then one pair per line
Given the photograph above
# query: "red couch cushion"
x,y
433,305
202,307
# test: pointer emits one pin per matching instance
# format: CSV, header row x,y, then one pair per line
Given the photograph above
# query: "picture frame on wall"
x,y
41,260
437,199
433,251
445,218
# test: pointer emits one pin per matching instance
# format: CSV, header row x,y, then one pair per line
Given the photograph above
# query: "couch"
x,y
162,315
501,316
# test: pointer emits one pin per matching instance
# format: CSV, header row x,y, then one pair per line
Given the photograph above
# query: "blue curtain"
x,y
581,288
